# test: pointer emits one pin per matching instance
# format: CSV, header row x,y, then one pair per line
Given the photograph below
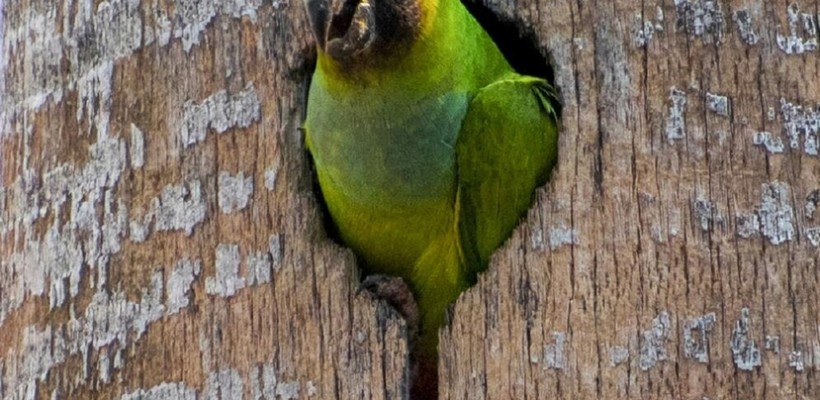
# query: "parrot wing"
x,y
506,148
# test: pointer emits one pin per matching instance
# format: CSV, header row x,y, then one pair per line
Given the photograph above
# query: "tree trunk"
x,y
159,237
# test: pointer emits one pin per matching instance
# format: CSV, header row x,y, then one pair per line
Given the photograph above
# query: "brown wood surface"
x,y
159,238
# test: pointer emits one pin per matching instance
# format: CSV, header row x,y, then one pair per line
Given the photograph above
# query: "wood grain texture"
x,y
155,185
159,238
664,220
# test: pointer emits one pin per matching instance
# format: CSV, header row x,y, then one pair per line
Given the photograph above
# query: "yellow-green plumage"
x,y
428,154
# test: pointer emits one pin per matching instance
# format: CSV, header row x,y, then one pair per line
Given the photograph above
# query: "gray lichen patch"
x,y
643,33
745,27
554,357
195,17
701,18
799,121
706,215
163,391
772,144
745,352
94,90
84,38
109,321
219,112
796,361
748,225
717,104
178,207
776,213
137,148
227,281
696,337
229,383
653,342
276,247
617,355
675,122
224,384
271,177
265,384
233,191
812,202
182,276
797,42
259,268
85,229
774,217
772,343
659,18
562,236
813,236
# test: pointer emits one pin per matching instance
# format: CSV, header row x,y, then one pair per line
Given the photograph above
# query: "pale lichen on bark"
x,y
233,191
219,112
618,355
676,122
745,27
562,236
717,104
745,351
223,385
801,122
226,282
696,331
776,213
178,207
183,274
701,18
78,237
137,147
163,391
554,357
271,177
802,36
110,321
81,205
653,342
772,144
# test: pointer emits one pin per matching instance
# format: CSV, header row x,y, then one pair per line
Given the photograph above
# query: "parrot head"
x,y
355,31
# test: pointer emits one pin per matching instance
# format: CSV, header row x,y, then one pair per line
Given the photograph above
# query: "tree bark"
x,y
159,235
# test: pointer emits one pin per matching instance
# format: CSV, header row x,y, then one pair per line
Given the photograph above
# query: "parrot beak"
x,y
342,28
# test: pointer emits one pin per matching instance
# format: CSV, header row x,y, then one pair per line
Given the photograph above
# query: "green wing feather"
x,y
506,148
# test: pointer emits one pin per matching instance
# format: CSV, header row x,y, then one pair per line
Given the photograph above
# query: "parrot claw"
x,y
395,292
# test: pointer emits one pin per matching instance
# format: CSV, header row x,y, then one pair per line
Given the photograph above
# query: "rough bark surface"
x,y
159,238
675,252
158,235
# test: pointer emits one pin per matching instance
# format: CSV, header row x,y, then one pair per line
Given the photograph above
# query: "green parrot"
x,y
427,145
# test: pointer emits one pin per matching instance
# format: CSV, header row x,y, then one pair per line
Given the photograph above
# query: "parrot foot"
x,y
395,292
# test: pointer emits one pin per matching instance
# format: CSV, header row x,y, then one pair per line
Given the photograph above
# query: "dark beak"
x,y
318,11
342,28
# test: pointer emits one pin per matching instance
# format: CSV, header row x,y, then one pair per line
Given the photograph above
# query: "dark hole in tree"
x,y
519,48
